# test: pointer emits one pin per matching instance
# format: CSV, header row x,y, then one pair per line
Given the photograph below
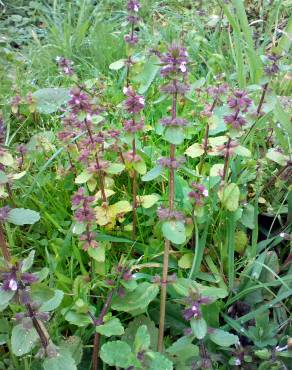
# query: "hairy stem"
x,y
167,243
100,172
226,161
259,108
3,245
97,322
134,189
205,142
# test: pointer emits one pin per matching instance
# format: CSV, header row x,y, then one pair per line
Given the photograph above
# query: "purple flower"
x,y
131,39
88,240
171,163
198,193
84,214
193,309
166,214
78,197
175,87
22,149
216,91
135,103
174,61
133,5
130,157
133,19
174,122
12,279
239,101
79,101
65,65
4,213
234,120
272,68
133,126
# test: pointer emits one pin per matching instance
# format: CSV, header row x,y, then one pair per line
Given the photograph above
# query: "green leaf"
x,y
185,262
138,299
41,293
195,150
5,298
74,345
115,66
278,157
83,177
229,197
116,353
174,231
50,100
148,201
183,349
223,338
158,361
6,158
242,151
98,253
3,178
78,319
27,262
152,174
283,118
174,135
147,76
112,327
142,339
62,361
247,218
115,168
54,302
199,327
22,216
140,167
23,340
133,326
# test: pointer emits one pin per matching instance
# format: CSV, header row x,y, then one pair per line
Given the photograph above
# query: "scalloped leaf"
x,y
22,216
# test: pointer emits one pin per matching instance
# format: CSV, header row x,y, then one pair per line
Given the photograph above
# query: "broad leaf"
x,y
54,302
158,361
148,201
115,168
23,340
117,353
22,216
83,177
229,197
152,174
195,150
115,66
174,231
142,339
278,157
5,298
174,135
199,327
112,327
138,299
223,338
27,262
50,100
63,360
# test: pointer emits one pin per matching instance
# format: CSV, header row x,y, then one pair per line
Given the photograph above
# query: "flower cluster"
x,y
171,163
227,149
134,103
2,130
217,91
133,7
167,214
174,61
272,67
198,193
133,125
14,279
65,65
193,310
4,213
80,101
84,214
174,122
239,103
